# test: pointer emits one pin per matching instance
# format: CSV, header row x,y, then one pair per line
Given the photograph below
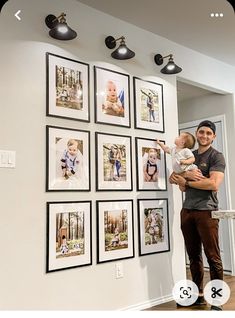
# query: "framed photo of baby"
x,y
115,235
153,226
112,97
68,235
151,165
67,88
68,159
148,105
113,162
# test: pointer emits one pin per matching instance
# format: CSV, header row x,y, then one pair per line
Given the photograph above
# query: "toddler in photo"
x,y
113,104
69,159
150,168
182,156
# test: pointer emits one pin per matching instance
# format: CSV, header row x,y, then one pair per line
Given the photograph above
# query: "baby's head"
x,y
111,91
72,147
185,140
152,155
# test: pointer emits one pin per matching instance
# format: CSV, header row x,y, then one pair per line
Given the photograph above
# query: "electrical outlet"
x,y
119,270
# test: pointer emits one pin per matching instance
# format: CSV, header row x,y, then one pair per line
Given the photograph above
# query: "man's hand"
x,y
194,175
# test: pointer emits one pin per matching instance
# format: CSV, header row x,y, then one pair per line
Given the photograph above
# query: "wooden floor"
x,y
230,305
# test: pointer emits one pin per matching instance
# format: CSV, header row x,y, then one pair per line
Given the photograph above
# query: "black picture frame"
x,y
112,97
65,172
113,162
69,235
153,226
151,174
148,105
115,230
67,88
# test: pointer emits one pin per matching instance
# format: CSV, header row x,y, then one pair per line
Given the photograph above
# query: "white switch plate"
x,y
7,159
119,270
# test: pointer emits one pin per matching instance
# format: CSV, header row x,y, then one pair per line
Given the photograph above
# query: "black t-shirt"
x,y
210,160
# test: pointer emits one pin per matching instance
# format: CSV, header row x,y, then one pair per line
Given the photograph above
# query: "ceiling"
x,y
187,22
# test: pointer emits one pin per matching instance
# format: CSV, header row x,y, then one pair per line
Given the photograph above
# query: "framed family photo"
x,y
115,237
113,162
112,97
67,88
68,235
68,159
150,165
148,105
153,226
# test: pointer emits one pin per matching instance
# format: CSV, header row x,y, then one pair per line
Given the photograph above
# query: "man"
x,y
197,225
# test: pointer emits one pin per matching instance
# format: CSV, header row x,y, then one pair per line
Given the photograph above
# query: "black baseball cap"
x,y
207,123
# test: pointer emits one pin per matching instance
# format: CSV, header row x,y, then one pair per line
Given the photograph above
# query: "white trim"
x,y
149,303
221,118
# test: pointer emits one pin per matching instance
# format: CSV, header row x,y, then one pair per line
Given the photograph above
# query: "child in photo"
x,y
69,160
150,168
113,104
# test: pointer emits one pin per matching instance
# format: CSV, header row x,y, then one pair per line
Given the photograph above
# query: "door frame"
x,y
221,118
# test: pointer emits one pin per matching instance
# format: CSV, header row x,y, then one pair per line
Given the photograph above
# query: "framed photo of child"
x,y
67,159
151,165
67,88
69,234
112,97
153,226
113,162
148,105
115,235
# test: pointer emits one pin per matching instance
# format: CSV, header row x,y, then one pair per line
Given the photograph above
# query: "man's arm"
x,y
212,183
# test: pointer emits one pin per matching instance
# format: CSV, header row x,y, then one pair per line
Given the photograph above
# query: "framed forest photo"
x,y
112,97
115,238
150,165
68,235
153,226
113,162
68,159
148,105
67,88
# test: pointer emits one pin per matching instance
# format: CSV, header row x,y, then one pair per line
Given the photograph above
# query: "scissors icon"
x,y
216,292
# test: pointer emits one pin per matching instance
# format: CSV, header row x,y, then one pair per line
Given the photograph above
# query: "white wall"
x,y
24,284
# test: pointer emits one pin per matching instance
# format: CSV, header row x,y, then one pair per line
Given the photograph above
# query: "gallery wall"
x,y
148,280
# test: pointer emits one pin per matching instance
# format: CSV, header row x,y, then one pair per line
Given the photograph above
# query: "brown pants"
x,y
199,228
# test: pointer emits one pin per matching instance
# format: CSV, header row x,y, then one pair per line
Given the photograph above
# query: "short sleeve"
x,y
217,162
188,153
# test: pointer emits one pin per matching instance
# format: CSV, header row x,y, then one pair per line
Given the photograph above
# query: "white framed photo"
x,y
115,234
112,97
67,159
67,88
153,226
68,235
148,105
113,162
150,165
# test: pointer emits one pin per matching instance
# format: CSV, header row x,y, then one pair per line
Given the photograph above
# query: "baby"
x,y
182,156
150,168
69,159
113,104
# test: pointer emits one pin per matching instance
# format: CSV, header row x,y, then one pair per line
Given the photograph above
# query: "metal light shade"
x,y
170,68
122,52
59,28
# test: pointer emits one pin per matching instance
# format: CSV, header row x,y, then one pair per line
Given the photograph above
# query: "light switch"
x,y
7,159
